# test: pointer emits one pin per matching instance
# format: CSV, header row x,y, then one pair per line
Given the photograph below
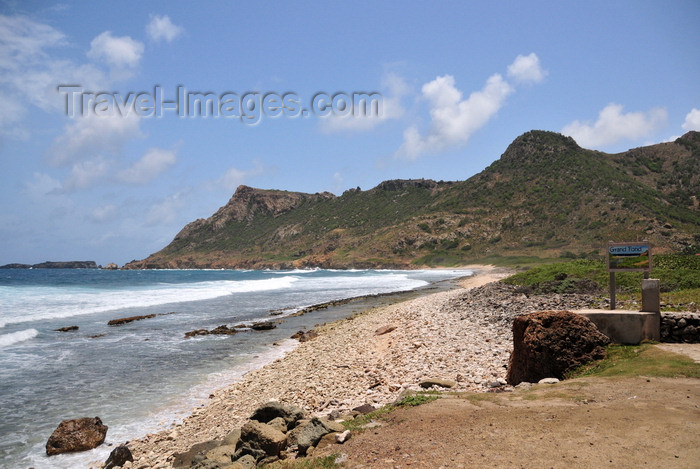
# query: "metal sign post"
x,y
627,257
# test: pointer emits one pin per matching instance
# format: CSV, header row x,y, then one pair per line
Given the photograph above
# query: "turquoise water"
x,y
143,376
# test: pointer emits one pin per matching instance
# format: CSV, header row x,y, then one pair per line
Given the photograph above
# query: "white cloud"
x,y
167,210
23,40
29,74
234,177
12,112
161,28
614,126
453,119
692,120
90,136
30,71
103,213
150,166
394,88
41,185
526,69
337,182
116,51
85,173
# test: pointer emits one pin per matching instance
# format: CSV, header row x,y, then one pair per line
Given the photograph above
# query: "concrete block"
x,y
651,296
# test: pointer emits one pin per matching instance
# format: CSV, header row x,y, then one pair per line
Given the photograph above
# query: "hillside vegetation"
x,y
544,197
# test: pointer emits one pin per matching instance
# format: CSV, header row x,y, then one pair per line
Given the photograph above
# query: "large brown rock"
x,y
550,343
260,440
76,435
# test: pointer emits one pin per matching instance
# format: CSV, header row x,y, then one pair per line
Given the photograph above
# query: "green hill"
x,y
545,196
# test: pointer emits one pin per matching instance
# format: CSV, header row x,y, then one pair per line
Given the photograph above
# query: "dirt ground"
x,y
587,423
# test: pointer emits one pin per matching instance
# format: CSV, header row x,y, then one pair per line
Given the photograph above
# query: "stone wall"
x,y
680,327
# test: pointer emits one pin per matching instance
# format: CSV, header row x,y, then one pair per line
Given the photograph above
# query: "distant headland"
x,y
55,265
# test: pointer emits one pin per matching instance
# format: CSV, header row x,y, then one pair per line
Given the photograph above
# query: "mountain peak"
x,y
399,184
545,196
539,143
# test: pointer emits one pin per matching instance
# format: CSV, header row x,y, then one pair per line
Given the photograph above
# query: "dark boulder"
x,y
548,344
263,326
67,329
76,435
272,410
364,409
309,434
118,457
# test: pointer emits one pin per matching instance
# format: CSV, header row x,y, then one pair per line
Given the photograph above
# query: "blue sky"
x,y
458,80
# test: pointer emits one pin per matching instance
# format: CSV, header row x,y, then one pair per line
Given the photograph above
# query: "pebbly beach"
x,y
460,337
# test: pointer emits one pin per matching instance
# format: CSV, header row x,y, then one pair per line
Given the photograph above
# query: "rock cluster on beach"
x,y
461,337
274,431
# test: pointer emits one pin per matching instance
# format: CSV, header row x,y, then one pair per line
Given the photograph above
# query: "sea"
x,y
145,376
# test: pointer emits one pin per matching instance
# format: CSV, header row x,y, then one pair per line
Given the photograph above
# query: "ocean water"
x,y
144,376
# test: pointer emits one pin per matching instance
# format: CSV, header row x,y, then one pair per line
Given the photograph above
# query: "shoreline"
x,y
347,365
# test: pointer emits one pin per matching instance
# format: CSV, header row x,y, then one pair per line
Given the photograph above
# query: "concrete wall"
x,y
680,327
625,327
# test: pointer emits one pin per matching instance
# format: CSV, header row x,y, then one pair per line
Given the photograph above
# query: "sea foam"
x,y
42,303
19,336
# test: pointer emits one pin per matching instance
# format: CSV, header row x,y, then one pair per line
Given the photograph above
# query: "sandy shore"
x,y
348,365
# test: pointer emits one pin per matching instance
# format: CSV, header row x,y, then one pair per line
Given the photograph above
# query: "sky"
x,y
120,122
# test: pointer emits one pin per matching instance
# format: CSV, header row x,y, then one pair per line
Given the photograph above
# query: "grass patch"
x,y
327,462
357,424
691,295
625,361
416,399
679,276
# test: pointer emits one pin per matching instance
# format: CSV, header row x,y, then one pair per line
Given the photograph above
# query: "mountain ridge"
x,y
544,196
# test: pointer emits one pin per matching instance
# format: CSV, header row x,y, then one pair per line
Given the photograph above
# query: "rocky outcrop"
x,y
221,330
550,343
402,184
76,435
302,336
67,329
121,321
111,266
